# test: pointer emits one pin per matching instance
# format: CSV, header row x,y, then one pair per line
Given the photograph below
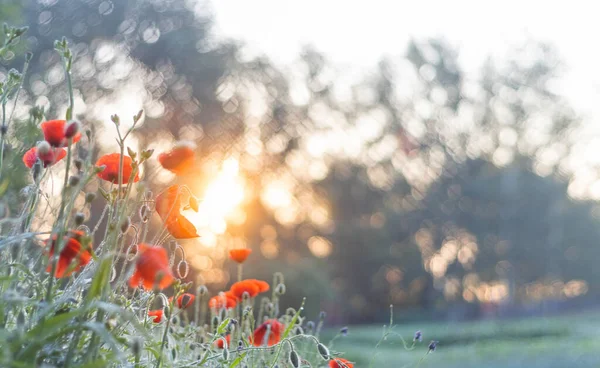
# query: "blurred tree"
x,y
419,185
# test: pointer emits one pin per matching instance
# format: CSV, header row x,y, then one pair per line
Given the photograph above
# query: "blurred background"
x,y
443,157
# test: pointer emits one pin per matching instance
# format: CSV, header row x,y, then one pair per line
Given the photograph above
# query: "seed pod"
x,y
323,351
294,359
43,148
79,218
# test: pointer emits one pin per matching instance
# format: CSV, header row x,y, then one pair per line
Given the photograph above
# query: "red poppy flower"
x,y
111,171
262,285
185,300
274,327
168,207
72,251
180,159
219,343
48,159
225,300
157,314
340,363
239,255
54,133
151,262
245,286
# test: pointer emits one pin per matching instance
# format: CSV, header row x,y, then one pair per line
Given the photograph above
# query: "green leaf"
x,y
237,361
100,279
223,326
293,321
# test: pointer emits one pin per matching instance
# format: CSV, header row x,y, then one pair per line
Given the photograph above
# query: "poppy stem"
x,y
5,123
239,272
164,340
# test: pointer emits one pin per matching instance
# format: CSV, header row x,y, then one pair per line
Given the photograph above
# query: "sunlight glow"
x,y
220,202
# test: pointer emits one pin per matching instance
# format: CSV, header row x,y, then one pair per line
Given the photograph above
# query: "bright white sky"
x,y
357,33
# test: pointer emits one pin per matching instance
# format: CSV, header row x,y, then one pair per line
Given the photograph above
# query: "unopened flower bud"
x,y
202,290
3,129
322,316
144,211
125,224
310,326
37,169
280,289
294,359
322,349
136,346
418,336
43,148
225,351
344,331
74,180
89,197
432,346
78,164
79,218
72,128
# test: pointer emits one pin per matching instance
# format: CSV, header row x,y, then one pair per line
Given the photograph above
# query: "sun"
x,y
222,197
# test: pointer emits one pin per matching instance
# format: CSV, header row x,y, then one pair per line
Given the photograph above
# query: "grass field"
x,y
555,342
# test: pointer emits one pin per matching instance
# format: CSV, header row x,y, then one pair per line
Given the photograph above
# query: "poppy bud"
x,y
74,180
344,331
144,213
43,148
37,169
323,351
21,318
322,315
310,326
432,346
294,359
136,346
225,352
78,164
125,224
280,289
202,290
3,129
72,128
418,336
89,197
215,322
79,218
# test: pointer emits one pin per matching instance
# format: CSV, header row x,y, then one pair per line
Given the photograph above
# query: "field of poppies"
x,y
84,296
